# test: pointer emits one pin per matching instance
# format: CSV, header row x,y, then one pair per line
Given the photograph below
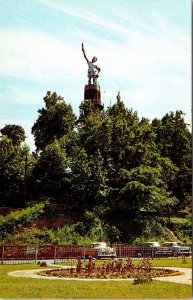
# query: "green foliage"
x,y
91,133
30,236
80,233
50,174
94,226
134,168
144,273
183,227
66,235
42,264
174,141
15,133
143,189
152,230
17,220
137,227
173,136
135,230
12,173
89,179
54,121
112,233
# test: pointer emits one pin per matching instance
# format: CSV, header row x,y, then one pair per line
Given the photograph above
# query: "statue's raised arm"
x,y
84,53
93,70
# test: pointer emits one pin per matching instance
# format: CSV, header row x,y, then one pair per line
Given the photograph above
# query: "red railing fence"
x,y
33,254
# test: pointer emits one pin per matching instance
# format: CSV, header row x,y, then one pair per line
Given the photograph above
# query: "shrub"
x,y
144,273
17,220
42,264
183,227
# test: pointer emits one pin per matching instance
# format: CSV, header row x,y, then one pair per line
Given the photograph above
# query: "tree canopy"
x,y
15,133
111,160
54,121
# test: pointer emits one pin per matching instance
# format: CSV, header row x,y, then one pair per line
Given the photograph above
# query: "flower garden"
x,y
115,269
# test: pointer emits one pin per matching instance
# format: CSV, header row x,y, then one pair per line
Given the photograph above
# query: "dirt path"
x,y
186,278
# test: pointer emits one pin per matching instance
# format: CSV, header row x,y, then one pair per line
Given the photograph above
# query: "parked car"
x,y
176,249
155,249
100,250
148,249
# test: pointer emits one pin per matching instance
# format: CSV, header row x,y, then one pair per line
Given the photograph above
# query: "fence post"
x,y
183,257
119,251
36,254
152,253
2,255
54,254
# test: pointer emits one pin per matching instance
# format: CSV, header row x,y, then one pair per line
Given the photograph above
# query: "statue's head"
x,y
94,59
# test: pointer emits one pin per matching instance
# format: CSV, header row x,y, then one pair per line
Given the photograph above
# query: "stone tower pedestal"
x,y
92,92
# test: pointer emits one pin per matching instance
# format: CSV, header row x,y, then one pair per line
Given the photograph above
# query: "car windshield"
x,y
152,244
170,244
167,244
98,245
94,245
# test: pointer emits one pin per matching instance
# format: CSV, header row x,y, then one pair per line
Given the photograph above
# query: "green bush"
x,y
144,272
141,230
74,234
183,227
17,220
31,236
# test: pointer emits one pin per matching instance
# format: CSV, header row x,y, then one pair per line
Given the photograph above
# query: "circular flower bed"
x,y
71,273
112,270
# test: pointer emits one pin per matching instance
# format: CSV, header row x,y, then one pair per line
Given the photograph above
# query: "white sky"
x,y
143,50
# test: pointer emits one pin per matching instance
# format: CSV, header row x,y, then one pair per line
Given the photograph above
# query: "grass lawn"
x,y
174,262
12,287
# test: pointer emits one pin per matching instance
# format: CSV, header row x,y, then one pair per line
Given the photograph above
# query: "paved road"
x,y
186,278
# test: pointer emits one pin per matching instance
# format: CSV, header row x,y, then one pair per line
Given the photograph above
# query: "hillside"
x,y
43,225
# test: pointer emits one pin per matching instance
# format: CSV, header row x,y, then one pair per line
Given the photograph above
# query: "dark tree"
x,y
14,132
54,121
12,173
50,175
174,141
